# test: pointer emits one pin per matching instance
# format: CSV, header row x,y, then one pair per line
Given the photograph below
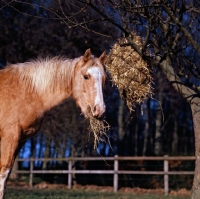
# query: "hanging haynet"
x,y
98,127
129,72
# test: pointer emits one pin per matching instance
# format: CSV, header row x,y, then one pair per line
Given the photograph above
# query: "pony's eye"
x,y
86,77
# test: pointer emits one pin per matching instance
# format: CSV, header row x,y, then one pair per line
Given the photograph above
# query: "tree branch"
x,y
168,70
182,28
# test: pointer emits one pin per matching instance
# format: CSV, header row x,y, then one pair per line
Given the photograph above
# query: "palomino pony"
x,y
28,90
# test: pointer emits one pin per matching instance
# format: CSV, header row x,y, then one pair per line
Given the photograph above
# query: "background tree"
x,y
171,43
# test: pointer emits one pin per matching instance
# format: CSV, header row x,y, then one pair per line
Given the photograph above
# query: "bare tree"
x,y
171,43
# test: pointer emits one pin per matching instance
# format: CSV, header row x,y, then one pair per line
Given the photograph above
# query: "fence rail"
x,y
115,171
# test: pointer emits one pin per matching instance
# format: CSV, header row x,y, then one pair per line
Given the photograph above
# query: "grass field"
x,y
22,193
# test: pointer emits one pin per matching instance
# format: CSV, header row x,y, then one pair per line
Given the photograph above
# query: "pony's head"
x,y
89,78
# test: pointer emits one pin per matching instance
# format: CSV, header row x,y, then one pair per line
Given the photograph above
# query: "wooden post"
x,y
115,178
70,174
31,173
166,176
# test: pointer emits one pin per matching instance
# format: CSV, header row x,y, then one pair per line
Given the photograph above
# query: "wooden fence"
x,y
115,171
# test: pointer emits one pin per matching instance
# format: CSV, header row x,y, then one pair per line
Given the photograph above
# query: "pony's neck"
x,y
50,79
59,82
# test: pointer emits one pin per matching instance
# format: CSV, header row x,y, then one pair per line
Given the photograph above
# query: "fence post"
x,y
166,176
31,173
115,180
70,174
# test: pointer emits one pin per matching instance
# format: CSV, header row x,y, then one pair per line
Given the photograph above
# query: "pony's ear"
x,y
102,58
87,55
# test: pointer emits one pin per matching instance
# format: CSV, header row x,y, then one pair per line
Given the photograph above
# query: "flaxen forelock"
x,y
129,72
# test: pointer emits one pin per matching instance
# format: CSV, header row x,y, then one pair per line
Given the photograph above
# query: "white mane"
x,y
44,75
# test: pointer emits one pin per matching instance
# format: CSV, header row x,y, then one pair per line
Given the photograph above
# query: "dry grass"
x,y
129,72
26,193
98,127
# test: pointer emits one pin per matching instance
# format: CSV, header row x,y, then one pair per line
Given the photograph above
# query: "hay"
x,y
98,127
129,72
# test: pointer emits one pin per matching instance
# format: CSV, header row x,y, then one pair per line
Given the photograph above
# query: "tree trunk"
x,y
73,154
192,98
195,194
120,120
158,121
146,131
136,140
46,154
175,136
14,175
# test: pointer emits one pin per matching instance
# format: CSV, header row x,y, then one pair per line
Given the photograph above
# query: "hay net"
x,y
129,72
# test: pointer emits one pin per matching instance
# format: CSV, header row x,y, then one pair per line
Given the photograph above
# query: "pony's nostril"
x,y
96,110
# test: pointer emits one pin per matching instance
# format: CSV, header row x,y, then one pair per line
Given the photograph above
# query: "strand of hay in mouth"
x,y
98,127
129,72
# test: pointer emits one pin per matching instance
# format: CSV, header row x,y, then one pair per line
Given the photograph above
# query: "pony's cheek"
x,y
83,106
84,112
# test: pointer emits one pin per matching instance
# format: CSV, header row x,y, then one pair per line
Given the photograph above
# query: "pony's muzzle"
x,y
98,110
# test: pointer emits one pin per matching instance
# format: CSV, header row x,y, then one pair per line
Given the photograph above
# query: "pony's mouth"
x,y
97,111
98,127
89,111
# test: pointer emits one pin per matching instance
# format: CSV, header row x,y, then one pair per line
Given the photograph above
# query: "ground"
x,y
47,186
